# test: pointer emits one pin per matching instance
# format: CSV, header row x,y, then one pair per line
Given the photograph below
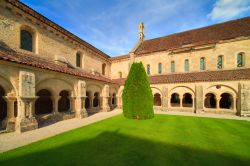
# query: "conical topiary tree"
x,y
137,96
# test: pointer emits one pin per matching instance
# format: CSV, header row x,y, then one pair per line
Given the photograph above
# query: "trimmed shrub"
x,y
137,95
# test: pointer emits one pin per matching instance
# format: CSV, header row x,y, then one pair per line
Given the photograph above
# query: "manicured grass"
x,y
164,140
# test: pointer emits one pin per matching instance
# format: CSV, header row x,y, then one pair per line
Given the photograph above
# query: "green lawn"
x,y
164,140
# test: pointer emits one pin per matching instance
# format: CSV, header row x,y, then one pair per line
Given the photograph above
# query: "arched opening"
x,y
157,99
226,101
43,104
175,100
210,101
114,99
187,100
26,40
109,100
78,59
103,69
96,100
3,107
64,101
87,100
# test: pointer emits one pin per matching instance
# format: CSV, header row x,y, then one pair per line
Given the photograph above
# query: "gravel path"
x,y
14,140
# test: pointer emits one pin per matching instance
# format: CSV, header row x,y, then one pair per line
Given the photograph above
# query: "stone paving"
x,y
14,140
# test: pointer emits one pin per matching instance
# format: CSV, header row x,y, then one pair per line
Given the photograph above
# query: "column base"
x,y
26,124
105,109
82,114
9,124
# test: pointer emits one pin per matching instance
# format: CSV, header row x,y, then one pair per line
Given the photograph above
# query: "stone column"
x,y
26,120
55,100
181,97
10,120
105,98
80,100
164,99
198,99
218,103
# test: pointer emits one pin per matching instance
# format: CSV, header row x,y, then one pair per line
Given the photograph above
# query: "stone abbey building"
x,y
48,74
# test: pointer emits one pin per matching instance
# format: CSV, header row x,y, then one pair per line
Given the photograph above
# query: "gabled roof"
x,y
47,22
118,58
30,60
203,76
206,35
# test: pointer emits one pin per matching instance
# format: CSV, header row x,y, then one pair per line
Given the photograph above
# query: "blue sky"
x,y
112,25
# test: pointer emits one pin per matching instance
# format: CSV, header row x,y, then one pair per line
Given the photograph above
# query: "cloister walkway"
x,y
14,140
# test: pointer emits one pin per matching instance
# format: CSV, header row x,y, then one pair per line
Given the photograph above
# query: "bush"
x,y
137,96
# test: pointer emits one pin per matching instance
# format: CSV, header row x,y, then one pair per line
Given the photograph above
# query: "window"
x,y
172,67
186,65
240,62
120,74
148,69
202,63
78,59
103,68
159,68
219,62
26,40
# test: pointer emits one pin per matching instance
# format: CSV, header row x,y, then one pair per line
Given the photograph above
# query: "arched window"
x,y
159,68
240,60
186,65
96,100
26,40
103,68
148,69
78,59
172,67
157,99
226,101
187,100
220,62
202,63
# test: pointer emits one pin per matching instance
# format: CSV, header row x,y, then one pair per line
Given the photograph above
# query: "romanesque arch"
x,y
226,101
43,104
157,99
187,100
87,100
175,100
64,101
96,99
210,100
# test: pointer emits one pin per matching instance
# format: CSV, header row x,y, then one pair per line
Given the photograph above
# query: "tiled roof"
x,y
48,22
121,57
205,35
30,60
204,76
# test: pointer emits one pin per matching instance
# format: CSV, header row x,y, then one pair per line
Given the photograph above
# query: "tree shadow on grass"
x,y
112,148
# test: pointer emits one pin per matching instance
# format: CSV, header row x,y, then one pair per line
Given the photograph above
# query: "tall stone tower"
x,y
141,31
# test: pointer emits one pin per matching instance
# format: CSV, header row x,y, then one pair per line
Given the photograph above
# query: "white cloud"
x,y
227,9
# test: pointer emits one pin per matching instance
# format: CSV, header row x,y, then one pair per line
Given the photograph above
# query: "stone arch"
x,y
175,100
210,100
156,90
157,99
64,104
44,103
181,90
96,99
187,100
87,100
226,101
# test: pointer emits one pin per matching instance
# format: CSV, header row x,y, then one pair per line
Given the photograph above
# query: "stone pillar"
x,y
181,97
80,100
198,99
105,98
10,120
164,99
55,100
26,120
218,103
244,100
